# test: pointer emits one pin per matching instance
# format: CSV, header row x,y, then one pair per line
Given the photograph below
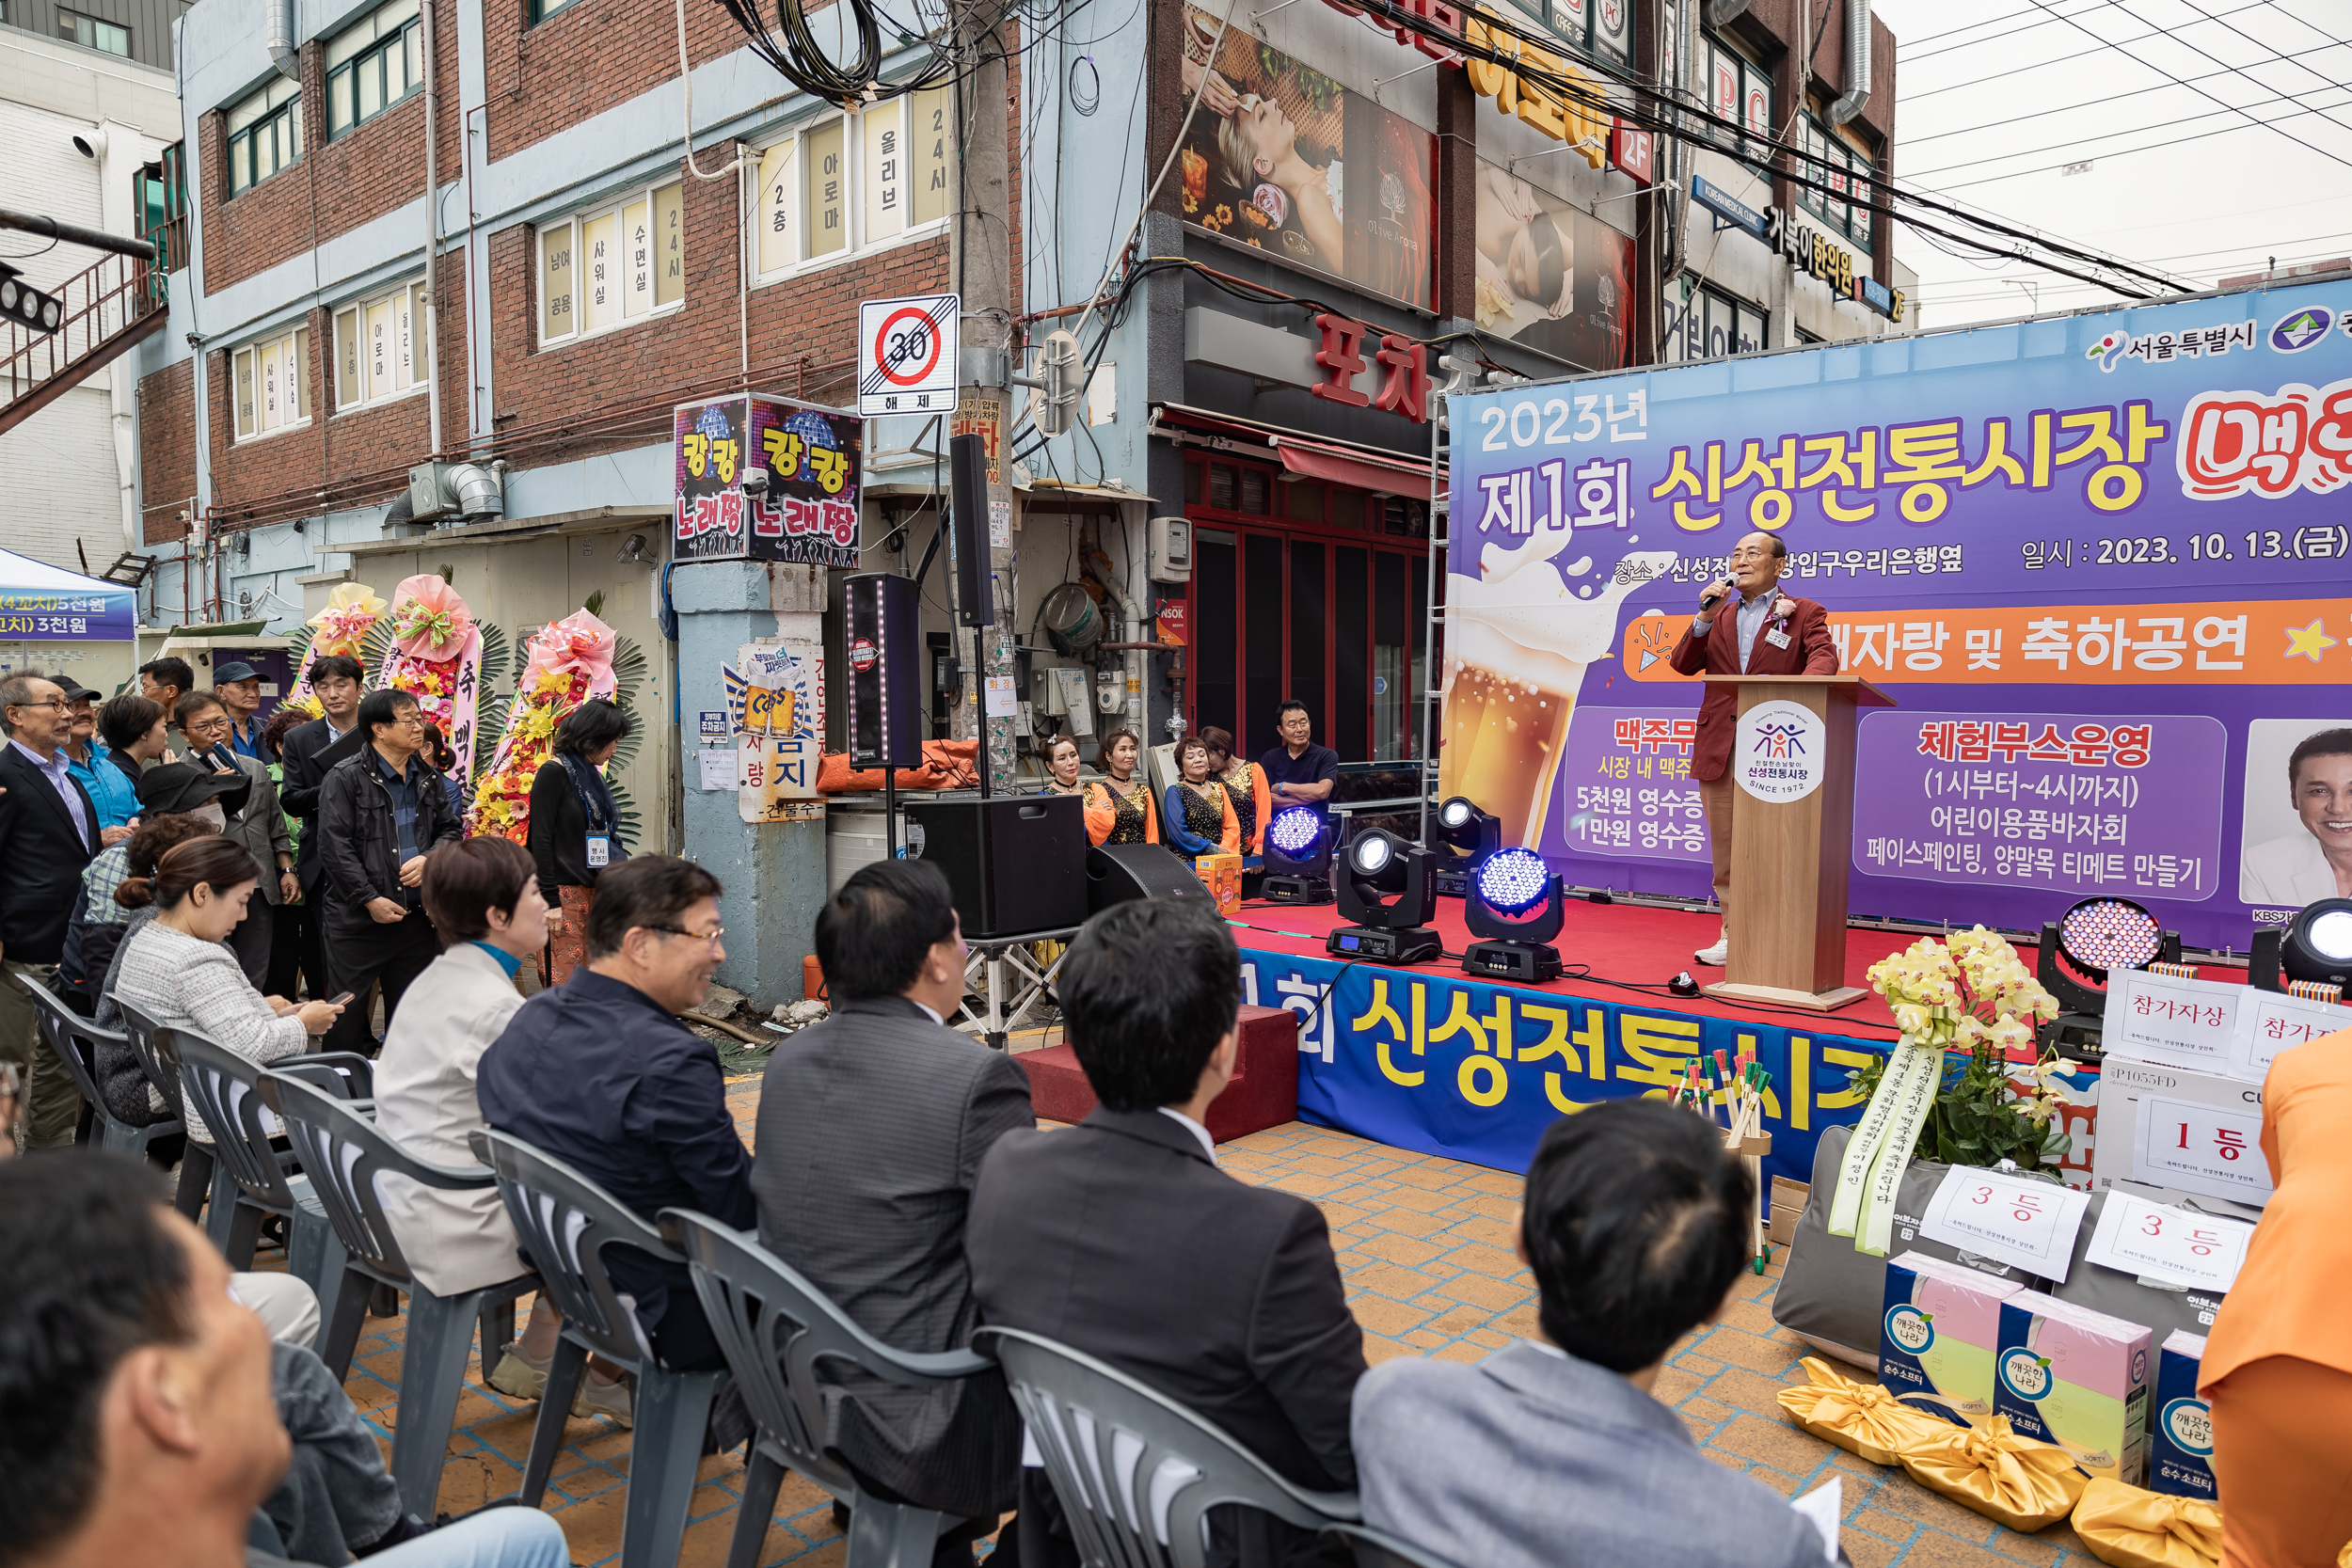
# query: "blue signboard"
x,y
1720,202
43,603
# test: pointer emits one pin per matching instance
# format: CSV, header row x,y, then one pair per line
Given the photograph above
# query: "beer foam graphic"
x,y
1528,620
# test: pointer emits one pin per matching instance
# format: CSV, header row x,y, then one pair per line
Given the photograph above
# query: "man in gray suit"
x,y
1551,1453
261,827
871,1129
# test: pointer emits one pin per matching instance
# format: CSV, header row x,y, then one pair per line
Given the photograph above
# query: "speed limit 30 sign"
x,y
907,353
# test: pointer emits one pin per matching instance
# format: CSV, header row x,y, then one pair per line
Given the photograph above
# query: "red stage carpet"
x,y
1627,942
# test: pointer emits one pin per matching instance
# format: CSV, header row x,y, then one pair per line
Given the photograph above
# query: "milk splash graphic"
x,y
1518,636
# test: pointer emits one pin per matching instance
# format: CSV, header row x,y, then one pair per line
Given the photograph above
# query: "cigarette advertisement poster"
x,y
2101,562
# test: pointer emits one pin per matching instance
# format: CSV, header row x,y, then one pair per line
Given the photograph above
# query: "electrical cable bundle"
x,y
792,47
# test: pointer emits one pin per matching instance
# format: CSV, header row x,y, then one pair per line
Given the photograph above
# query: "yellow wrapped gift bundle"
x,y
1860,1417
2021,1483
2131,1527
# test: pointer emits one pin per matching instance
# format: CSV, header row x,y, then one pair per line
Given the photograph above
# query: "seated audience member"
x,y
95,933
482,895
145,1415
599,1073
1552,1452
1120,1237
177,970
872,1125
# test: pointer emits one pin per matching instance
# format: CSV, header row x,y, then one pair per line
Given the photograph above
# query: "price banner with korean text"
x,y
1476,1072
2102,563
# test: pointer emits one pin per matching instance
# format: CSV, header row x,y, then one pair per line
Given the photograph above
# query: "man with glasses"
x,y
48,835
380,814
261,827
599,1073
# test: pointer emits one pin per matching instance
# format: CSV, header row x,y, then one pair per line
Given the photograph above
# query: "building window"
x,y
379,348
1601,28
373,65
1846,169
273,384
264,135
1716,324
90,33
1738,89
852,183
542,10
613,265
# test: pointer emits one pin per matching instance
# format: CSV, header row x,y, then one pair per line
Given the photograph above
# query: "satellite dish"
x,y
1070,620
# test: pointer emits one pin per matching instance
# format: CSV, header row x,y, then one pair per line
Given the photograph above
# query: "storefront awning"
x,y
1386,473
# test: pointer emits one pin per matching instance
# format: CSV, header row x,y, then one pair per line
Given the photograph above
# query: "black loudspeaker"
x,y
1015,863
883,687
967,532
1117,872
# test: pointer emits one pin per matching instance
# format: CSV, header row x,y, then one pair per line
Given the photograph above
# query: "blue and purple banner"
x,y
2102,563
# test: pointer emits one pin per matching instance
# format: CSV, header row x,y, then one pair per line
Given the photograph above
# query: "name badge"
x,y
1777,638
599,850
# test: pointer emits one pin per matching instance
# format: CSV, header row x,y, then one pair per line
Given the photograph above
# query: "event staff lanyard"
x,y
599,839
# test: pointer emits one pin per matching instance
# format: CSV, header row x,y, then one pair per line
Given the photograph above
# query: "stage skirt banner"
x,y
1454,1067
2101,562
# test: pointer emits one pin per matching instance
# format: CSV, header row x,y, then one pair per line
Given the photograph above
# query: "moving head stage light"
x,y
1378,862
1297,858
2086,943
2311,958
1463,827
1513,905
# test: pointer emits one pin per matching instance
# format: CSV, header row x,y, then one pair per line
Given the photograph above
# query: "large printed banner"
x,y
1450,1065
2102,563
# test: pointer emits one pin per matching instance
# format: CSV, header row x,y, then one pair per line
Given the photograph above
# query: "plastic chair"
x,y
1136,1472
567,1222
158,1051
1379,1549
250,1181
345,1154
776,1328
74,1038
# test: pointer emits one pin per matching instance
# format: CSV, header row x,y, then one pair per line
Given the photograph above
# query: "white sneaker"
x,y
1717,956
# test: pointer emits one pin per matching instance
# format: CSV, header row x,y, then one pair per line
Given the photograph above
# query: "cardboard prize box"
x,y
2193,1132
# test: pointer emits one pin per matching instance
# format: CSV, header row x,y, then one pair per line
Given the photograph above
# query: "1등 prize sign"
x,y
763,477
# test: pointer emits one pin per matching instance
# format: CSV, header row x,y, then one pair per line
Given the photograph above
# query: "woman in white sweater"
x,y
482,895
178,971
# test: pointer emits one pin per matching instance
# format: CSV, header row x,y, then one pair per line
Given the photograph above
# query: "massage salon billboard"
x,y
2099,561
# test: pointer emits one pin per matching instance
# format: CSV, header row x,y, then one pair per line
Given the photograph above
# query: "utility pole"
x,y
980,253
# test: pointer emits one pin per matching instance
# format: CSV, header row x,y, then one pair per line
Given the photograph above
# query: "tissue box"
x,y
1938,1334
2068,1376
2180,1440
1221,876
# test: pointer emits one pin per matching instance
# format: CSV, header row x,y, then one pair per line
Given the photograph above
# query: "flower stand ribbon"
x,y
2132,1527
566,663
436,656
1860,1417
340,628
2015,1480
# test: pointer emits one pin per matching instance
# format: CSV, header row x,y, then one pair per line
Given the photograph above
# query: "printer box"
x,y
2065,1374
2180,1440
1938,1334
2194,1132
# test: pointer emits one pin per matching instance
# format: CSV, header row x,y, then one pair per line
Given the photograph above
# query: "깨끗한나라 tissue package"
x,y
2180,1439
2068,1376
1937,1335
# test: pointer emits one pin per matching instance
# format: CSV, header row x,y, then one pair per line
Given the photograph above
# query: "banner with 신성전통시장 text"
x,y
2099,561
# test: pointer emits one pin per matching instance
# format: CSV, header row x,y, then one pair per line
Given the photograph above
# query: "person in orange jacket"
x,y
1245,786
1119,807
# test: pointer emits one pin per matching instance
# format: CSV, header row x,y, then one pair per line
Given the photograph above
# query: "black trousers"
x,y
359,957
251,943
292,955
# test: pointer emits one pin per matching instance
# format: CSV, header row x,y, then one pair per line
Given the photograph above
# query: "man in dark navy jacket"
x,y
47,834
599,1073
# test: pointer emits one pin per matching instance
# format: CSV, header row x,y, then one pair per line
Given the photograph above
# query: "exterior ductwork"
x,y
1857,63
477,491
1721,11
281,40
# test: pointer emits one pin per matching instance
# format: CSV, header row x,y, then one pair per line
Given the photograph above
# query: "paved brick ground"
x,y
1425,1245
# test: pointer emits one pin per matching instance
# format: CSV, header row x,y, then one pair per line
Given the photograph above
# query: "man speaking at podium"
x,y
1767,633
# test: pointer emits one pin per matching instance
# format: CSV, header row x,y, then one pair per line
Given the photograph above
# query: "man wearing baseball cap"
x,y
238,686
167,790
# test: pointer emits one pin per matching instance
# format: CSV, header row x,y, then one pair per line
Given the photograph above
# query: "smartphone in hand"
x,y
342,1000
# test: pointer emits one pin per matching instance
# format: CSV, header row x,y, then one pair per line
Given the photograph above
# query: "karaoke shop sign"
x,y
2101,562
764,478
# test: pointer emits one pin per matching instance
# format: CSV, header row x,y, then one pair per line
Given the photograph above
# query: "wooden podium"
x,y
1789,857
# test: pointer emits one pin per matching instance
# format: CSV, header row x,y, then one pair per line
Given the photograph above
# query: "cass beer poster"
x,y
2101,562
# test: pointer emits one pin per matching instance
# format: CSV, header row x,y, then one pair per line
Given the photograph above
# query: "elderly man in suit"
x,y
872,1127
1552,1454
48,835
1769,633
1121,1238
260,827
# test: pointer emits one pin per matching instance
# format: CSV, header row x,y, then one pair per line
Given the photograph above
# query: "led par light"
x,y
1391,930
2082,947
1513,907
2313,951
1297,858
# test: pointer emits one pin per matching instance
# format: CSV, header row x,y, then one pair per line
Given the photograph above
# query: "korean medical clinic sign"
x,y
2050,540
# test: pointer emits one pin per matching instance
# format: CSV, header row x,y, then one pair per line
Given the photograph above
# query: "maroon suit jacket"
x,y
1717,653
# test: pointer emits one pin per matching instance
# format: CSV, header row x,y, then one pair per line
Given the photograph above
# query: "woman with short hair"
x,y
1199,809
1118,805
1245,786
131,735
575,830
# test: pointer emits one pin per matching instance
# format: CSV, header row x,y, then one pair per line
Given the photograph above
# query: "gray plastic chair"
x,y
565,1222
776,1329
75,1039
345,1154
1379,1549
250,1181
158,1051
1136,1473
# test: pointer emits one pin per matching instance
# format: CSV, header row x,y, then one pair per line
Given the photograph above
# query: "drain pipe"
x,y
1857,63
281,40
432,242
